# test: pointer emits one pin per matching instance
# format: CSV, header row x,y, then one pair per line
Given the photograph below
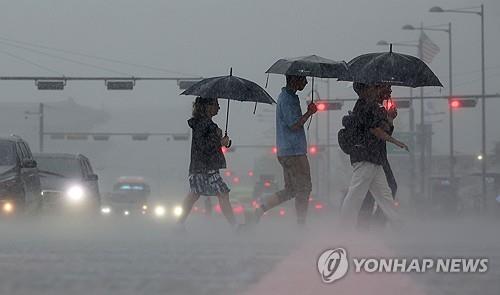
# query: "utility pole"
x,y
40,125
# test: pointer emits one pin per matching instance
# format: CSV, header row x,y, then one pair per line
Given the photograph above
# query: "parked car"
x,y
19,180
68,183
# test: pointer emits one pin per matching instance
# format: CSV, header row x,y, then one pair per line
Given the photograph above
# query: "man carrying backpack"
x,y
370,215
366,137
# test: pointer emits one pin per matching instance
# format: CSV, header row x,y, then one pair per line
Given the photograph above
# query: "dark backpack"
x,y
350,137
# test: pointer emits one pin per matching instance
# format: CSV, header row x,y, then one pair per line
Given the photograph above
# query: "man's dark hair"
x,y
292,78
359,87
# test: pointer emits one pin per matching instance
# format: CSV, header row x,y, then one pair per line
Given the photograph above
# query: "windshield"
x,y
67,167
131,187
7,153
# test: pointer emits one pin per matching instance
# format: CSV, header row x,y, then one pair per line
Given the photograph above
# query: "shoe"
x,y
257,214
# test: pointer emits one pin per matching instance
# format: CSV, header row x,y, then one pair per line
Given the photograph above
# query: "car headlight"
x,y
8,207
105,210
177,211
75,193
160,211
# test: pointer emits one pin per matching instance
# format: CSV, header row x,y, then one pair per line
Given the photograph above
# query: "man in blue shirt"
x,y
292,149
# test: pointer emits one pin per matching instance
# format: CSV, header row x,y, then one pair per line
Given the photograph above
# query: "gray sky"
x,y
207,37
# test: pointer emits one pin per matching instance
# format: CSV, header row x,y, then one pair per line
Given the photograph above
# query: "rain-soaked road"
x,y
55,258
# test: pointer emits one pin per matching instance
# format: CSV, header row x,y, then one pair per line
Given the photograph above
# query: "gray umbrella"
x,y
390,68
229,87
310,66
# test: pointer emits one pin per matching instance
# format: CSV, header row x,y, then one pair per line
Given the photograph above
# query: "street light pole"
x,y
452,152
483,104
40,125
328,152
483,89
450,95
422,127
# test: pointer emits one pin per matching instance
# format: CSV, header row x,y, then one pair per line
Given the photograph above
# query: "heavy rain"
x,y
250,147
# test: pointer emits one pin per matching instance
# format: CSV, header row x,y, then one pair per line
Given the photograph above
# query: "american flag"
x,y
429,48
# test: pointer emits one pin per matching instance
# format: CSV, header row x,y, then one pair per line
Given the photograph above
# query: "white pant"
x,y
367,177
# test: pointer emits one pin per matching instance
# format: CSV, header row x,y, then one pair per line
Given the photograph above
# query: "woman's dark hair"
x,y
200,106
359,87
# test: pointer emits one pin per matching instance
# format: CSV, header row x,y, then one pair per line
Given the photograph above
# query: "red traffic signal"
x,y
313,150
328,105
226,150
456,103
321,106
400,104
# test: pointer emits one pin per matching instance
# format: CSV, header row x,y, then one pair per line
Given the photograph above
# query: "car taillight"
x,y
318,206
238,210
218,209
282,212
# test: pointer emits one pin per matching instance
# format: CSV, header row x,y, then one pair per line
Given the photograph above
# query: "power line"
x,y
65,59
28,61
96,57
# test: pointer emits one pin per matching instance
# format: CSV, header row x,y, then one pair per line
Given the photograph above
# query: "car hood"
x,y
4,169
7,171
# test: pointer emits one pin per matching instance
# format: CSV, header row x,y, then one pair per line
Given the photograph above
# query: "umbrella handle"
x,y
312,100
230,141
227,114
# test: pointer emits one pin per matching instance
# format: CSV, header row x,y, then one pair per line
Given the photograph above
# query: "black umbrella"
x,y
310,66
390,68
231,88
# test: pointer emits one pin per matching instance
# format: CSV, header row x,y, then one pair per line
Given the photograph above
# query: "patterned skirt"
x,y
207,184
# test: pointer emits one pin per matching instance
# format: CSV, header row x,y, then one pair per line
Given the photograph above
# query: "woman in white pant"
x,y
368,155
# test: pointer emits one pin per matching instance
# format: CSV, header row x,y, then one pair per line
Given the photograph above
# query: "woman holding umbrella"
x,y
207,139
206,160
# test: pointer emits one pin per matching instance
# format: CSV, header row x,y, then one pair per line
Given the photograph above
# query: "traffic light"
x,y
328,105
76,136
180,137
313,150
400,104
226,150
120,85
456,103
141,136
50,85
185,84
100,137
